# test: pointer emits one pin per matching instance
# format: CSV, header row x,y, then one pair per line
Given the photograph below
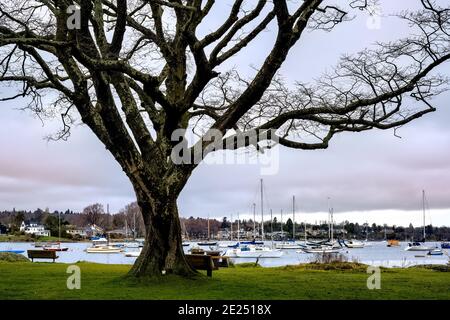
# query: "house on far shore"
x,y
76,231
94,231
34,228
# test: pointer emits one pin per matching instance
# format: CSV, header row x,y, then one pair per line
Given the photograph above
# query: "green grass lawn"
x,y
22,280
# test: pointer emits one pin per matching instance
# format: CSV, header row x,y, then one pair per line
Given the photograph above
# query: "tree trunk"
x,y
163,249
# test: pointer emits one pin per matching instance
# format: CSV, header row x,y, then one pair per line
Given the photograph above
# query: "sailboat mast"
x,y
271,226
208,229
305,232
423,206
239,229
231,227
262,212
134,225
293,217
329,218
332,225
59,227
254,221
281,223
271,223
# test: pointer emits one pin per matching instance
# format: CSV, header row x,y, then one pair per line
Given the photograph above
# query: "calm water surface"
x,y
377,254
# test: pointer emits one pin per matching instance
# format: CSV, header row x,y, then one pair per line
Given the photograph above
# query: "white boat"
x,y
133,254
416,246
132,244
288,245
254,252
353,244
99,241
55,247
320,250
104,249
435,252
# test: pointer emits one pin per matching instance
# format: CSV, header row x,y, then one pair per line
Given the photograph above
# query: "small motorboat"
x,y
39,244
133,254
99,240
131,244
54,247
104,249
393,243
288,245
253,242
250,251
323,249
186,244
353,244
207,243
416,246
435,252
445,245
117,244
228,245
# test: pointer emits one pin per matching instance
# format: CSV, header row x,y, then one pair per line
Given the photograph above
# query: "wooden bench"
x,y
42,254
221,261
201,262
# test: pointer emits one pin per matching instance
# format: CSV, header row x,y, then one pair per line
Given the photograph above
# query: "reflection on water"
x,y
377,254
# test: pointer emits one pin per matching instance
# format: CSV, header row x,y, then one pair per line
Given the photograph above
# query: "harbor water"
x,y
376,254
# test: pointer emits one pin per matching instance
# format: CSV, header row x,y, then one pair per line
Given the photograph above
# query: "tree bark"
x,y
163,248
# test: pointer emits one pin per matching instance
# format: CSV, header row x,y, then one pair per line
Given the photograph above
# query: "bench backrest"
x,y
200,261
41,254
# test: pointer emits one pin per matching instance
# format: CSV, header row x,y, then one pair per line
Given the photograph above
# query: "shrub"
x,y
12,257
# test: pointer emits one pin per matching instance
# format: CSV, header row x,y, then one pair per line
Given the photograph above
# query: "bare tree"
x,y
94,214
137,70
133,218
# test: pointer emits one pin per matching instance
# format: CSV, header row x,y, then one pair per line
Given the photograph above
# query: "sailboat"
x,y
104,248
207,243
253,250
354,244
417,246
329,246
57,246
290,245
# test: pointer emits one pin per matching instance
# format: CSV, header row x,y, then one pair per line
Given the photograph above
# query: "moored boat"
x,y
320,250
104,249
249,251
289,245
435,252
445,245
353,244
417,246
207,243
133,254
393,243
55,248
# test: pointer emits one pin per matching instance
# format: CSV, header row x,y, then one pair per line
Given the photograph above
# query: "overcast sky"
x,y
372,176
